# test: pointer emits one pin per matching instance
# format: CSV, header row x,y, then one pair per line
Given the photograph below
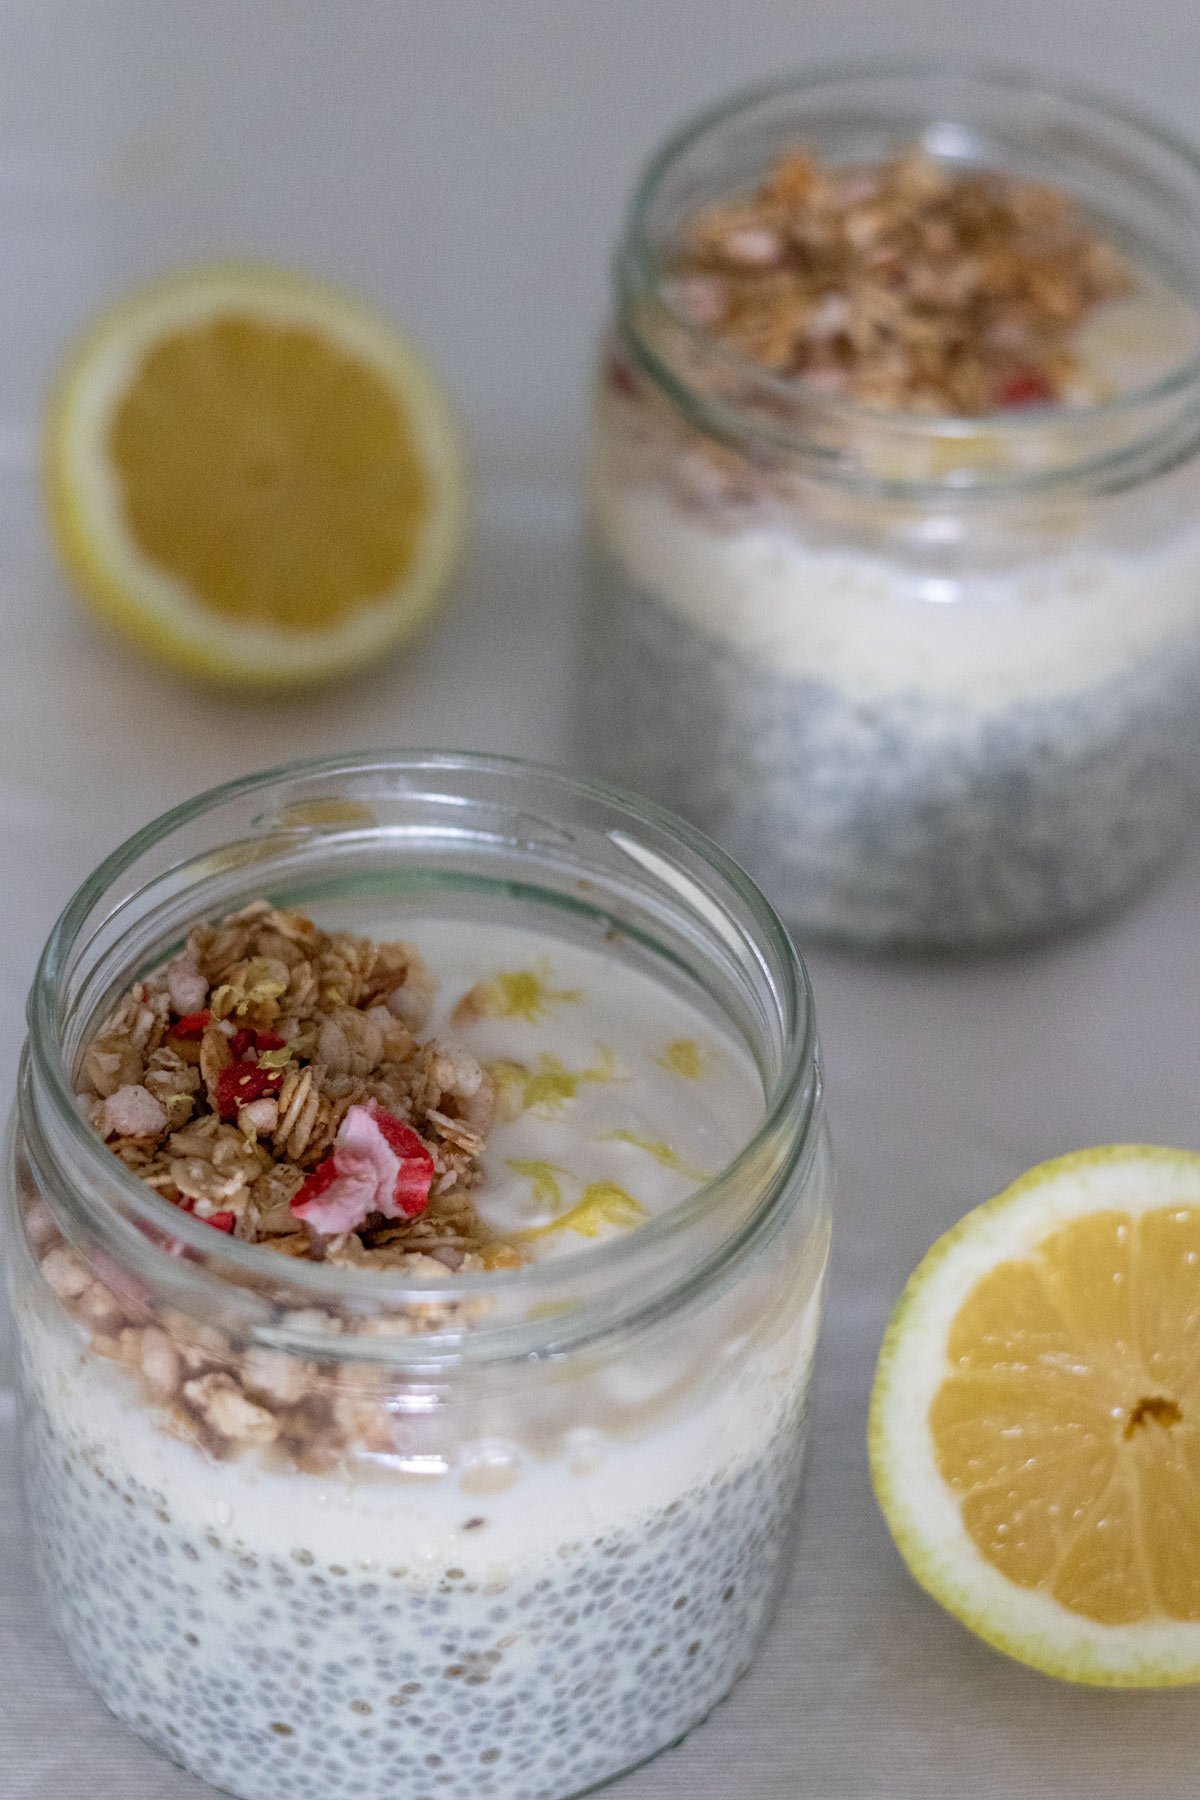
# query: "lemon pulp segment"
x,y
1070,1425
1034,1432
252,475
313,489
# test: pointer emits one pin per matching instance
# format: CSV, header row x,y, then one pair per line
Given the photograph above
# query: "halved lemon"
x,y
1035,1421
254,476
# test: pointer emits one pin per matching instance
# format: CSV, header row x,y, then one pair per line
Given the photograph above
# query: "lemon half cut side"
x,y
254,476
1034,1431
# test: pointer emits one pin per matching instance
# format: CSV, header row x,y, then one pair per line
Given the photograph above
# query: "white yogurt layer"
x,y
618,1097
582,1482
872,627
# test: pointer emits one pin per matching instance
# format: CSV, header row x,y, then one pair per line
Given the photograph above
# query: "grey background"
x,y
466,163
465,160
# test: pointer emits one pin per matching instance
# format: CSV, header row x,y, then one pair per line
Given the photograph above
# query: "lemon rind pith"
x,y
919,1509
147,604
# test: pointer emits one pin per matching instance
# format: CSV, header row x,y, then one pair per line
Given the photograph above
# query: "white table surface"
x,y
944,1082
513,128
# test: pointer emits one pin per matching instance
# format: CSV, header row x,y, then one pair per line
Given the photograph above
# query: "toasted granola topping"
x,y
268,1081
904,284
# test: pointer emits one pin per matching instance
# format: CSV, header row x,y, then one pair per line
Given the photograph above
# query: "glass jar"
x,y
932,680
549,1528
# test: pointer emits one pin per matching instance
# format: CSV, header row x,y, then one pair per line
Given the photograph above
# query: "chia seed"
x,y
588,1705
895,820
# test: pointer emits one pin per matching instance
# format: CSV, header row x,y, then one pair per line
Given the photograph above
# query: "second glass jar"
x,y
932,680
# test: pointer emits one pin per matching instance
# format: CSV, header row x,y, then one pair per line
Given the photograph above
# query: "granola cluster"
x,y
231,1400
903,284
271,1082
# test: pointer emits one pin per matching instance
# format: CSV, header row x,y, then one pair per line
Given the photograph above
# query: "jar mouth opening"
x,y
790,1105
638,272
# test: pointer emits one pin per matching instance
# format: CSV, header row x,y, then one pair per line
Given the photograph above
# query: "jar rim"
x,y
637,280
792,1102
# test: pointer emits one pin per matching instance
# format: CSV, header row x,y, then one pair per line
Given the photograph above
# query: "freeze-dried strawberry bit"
x,y
378,1165
240,1083
186,986
415,1178
1027,388
247,1038
318,1181
340,1195
220,1221
402,1161
133,1112
192,1025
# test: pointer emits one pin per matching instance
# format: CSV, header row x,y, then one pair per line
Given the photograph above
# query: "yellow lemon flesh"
x,y
1035,1421
254,476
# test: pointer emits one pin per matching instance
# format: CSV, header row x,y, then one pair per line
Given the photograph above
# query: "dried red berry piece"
x,y
316,1182
192,1025
220,1221
1026,388
378,1164
417,1170
241,1082
247,1038
341,1193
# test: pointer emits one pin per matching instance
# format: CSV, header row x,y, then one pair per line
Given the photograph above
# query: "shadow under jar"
x,y
932,678
315,1530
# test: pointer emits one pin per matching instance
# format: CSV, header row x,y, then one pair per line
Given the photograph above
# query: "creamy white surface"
x,y
869,626
611,1025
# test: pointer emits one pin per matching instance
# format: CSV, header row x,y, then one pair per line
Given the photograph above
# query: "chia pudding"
x,y
350,1547
258,1628
894,562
